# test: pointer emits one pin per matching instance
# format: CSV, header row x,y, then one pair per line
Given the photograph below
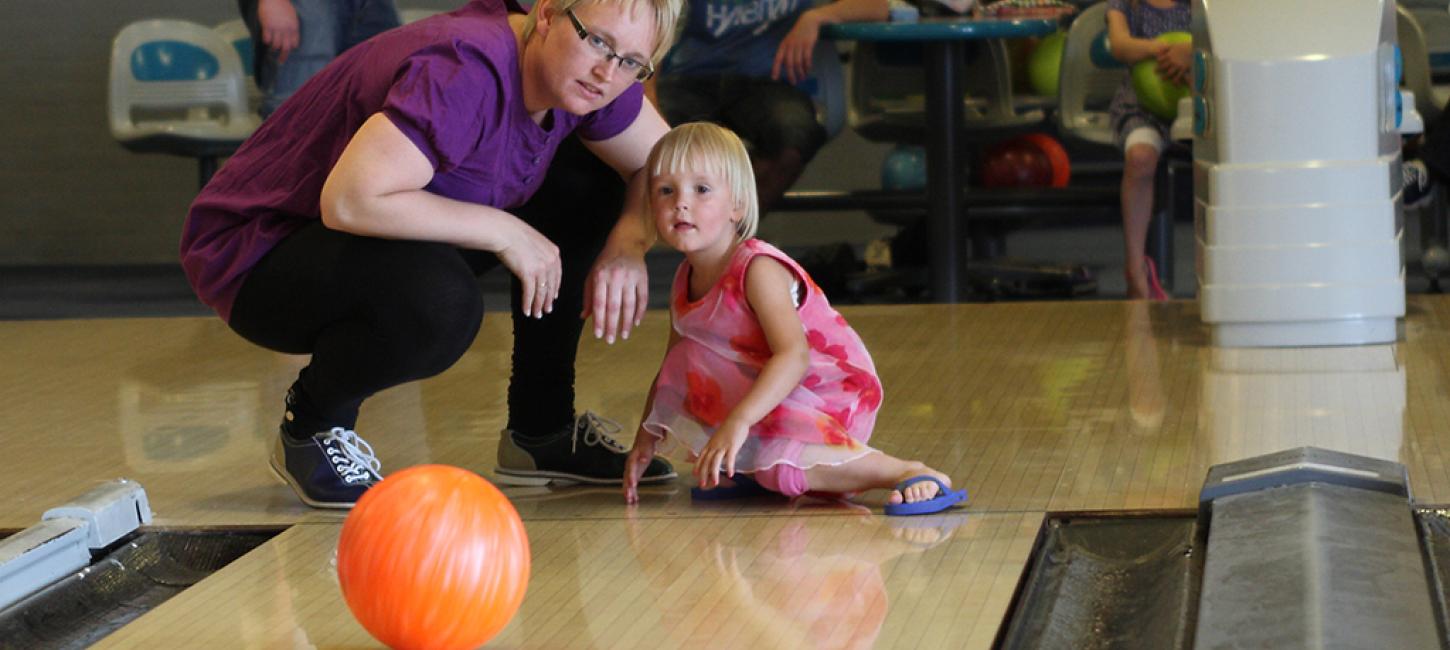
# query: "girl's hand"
x,y
719,454
636,463
278,20
534,260
793,57
1175,62
1158,48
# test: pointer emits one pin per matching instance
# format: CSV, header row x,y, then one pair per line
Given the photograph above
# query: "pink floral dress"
x,y
827,418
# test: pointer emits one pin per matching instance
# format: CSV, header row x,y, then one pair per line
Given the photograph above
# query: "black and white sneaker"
x,y
331,469
584,453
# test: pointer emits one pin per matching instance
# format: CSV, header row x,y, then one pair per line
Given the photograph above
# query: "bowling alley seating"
x,y
887,105
235,32
1088,77
1417,70
1434,23
887,102
827,86
178,88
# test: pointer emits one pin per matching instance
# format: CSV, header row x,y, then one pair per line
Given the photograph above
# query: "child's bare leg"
x,y
1140,165
876,470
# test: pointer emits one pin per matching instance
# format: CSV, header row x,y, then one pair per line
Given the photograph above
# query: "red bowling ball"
x,y
1016,163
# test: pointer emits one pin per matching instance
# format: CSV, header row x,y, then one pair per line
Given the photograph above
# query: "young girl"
x,y
1133,26
761,376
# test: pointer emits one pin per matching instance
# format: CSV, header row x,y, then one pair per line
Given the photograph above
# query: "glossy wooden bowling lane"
x,y
1034,407
844,577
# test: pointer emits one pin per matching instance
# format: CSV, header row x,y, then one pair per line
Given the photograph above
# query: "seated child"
x,y
761,376
1133,28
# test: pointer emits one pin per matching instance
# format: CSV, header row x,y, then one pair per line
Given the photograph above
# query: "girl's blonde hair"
x,y
666,15
711,149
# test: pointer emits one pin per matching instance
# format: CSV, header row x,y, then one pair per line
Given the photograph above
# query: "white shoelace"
x,y
595,429
352,457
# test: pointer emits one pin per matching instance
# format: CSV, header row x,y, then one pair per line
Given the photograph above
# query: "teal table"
x,y
944,40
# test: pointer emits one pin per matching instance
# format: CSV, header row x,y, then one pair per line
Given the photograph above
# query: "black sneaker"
x,y
331,469
584,454
1415,183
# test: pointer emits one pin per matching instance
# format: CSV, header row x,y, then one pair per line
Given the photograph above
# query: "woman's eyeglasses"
x,y
641,71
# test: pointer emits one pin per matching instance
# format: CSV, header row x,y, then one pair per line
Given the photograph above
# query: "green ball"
x,y
1157,96
1044,63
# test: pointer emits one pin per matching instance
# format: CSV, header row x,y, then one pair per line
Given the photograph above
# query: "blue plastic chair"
x,y
1088,78
827,86
235,32
177,87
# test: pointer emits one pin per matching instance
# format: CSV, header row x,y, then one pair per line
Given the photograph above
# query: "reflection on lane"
x,y
779,582
1259,401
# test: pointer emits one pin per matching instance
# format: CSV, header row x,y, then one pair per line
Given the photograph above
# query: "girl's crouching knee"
x,y
784,479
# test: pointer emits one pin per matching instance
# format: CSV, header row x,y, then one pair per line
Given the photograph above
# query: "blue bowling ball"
x,y
904,168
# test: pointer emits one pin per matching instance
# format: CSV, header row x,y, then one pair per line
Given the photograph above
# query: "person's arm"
x,y
616,292
278,19
645,442
793,57
1125,47
768,290
652,91
376,190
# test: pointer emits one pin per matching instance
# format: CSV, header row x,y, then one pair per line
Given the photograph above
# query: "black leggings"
x,y
376,313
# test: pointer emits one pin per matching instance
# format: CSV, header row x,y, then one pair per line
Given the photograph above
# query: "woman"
x,y
353,223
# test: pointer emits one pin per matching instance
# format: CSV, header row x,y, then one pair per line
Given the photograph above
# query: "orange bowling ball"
x,y
433,557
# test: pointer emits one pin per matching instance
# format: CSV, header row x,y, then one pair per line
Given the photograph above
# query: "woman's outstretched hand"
x,y
616,294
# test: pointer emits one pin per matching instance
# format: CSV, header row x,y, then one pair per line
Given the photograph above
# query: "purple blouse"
x,y
450,83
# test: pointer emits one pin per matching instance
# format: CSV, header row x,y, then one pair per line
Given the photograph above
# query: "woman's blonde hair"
x,y
666,15
711,149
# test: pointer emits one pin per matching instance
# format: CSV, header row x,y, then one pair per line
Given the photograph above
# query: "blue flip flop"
x,y
945,498
744,488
